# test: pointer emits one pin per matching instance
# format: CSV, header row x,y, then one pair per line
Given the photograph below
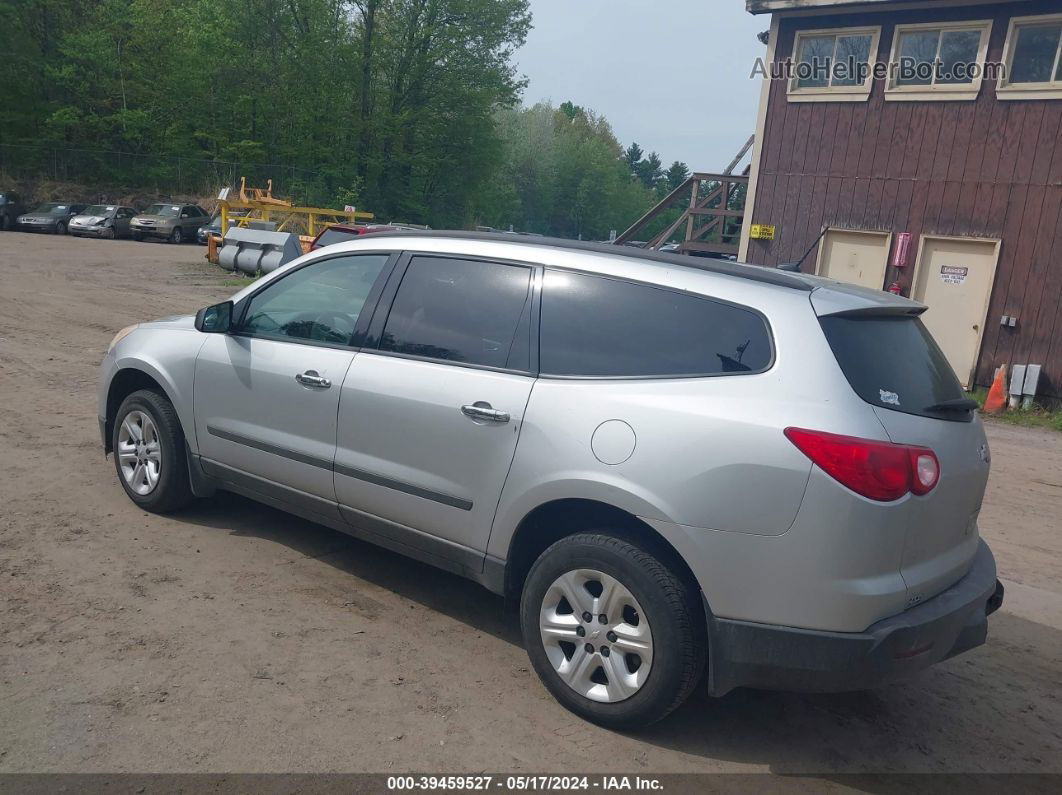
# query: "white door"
x,y
855,257
428,424
954,279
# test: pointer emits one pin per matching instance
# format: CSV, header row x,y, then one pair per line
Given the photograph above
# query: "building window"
x,y
833,65
938,61
1032,59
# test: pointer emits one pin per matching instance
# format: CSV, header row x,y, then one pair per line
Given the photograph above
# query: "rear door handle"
x,y
312,378
481,410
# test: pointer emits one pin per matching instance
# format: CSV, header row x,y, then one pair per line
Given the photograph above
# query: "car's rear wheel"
x,y
177,235
60,228
615,634
149,452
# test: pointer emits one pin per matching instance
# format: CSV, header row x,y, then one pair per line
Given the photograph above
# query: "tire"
x,y
109,233
177,236
171,490
5,223
657,599
60,228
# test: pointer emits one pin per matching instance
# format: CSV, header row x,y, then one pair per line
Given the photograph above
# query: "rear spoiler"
x,y
849,300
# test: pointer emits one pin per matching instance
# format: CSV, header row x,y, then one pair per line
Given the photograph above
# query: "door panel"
x,y
428,427
954,280
251,413
855,257
407,452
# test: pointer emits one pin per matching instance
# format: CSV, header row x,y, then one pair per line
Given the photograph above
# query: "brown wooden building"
x,y
937,178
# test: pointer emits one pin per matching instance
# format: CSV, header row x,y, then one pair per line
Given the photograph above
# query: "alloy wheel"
x,y
596,635
139,452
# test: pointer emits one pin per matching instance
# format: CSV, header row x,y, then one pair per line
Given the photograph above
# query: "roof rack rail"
x,y
723,267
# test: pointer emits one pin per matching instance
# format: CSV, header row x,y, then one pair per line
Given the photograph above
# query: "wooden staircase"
x,y
713,212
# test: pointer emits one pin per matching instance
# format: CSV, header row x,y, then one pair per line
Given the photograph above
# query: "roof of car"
x,y
724,267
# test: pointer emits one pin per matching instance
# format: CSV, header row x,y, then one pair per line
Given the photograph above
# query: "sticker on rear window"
x,y
889,397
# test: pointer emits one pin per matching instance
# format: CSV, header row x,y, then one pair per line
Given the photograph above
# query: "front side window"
x,y
465,311
937,61
593,326
838,63
320,302
1033,59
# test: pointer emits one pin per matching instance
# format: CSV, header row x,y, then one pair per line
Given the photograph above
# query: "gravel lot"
x,y
233,637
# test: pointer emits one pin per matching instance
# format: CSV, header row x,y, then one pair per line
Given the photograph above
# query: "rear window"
x,y
332,235
894,363
599,327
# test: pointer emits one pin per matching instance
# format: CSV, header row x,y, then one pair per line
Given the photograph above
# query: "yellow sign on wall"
x,y
761,232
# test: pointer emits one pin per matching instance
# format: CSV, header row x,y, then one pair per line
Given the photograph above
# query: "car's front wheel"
x,y
60,228
177,235
149,452
615,633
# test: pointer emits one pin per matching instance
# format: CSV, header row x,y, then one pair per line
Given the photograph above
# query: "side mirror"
x,y
216,319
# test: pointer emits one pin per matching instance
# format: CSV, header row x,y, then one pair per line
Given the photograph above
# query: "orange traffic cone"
x,y
997,395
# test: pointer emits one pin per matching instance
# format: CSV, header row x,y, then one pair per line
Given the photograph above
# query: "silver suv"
x,y
681,468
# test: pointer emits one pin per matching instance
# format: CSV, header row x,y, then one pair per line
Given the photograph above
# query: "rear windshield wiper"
x,y
957,404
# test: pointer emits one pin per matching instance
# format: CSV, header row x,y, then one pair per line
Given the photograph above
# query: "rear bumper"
x,y
745,654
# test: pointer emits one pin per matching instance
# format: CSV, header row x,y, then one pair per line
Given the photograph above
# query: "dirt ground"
x,y
233,637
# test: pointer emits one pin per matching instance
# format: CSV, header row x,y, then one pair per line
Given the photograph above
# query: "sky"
x,y
672,75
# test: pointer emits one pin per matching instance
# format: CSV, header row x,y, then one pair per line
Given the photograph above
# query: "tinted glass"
x,y
462,311
332,235
893,363
593,326
320,302
1034,55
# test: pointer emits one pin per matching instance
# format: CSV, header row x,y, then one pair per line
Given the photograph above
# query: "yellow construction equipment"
x,y
259,204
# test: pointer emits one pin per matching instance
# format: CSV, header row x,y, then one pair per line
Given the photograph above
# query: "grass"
x,y
1033,417
239,281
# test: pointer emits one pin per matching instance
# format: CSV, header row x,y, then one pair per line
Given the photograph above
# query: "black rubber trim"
x,y
350,472
406,488
765,656
265,447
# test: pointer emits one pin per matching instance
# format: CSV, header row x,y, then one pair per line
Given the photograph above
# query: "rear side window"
x,y
465,311
893,363
595,326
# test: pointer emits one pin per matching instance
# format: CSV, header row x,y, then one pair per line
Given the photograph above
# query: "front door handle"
x,y
312,378
481,410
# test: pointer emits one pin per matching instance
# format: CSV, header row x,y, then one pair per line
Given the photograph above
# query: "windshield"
x,y
99,209
52,208
165,210
894,363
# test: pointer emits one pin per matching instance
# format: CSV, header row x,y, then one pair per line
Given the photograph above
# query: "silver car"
x,y
684,470
103,220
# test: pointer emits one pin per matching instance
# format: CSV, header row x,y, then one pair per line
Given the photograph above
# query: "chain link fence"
x,y
110,171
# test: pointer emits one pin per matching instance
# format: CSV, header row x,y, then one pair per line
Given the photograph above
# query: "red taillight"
x,y
878,470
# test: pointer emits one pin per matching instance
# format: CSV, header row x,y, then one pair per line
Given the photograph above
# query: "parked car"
x,y
10,209
214,228
677,466
51,217
173,222
339,233
103,220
